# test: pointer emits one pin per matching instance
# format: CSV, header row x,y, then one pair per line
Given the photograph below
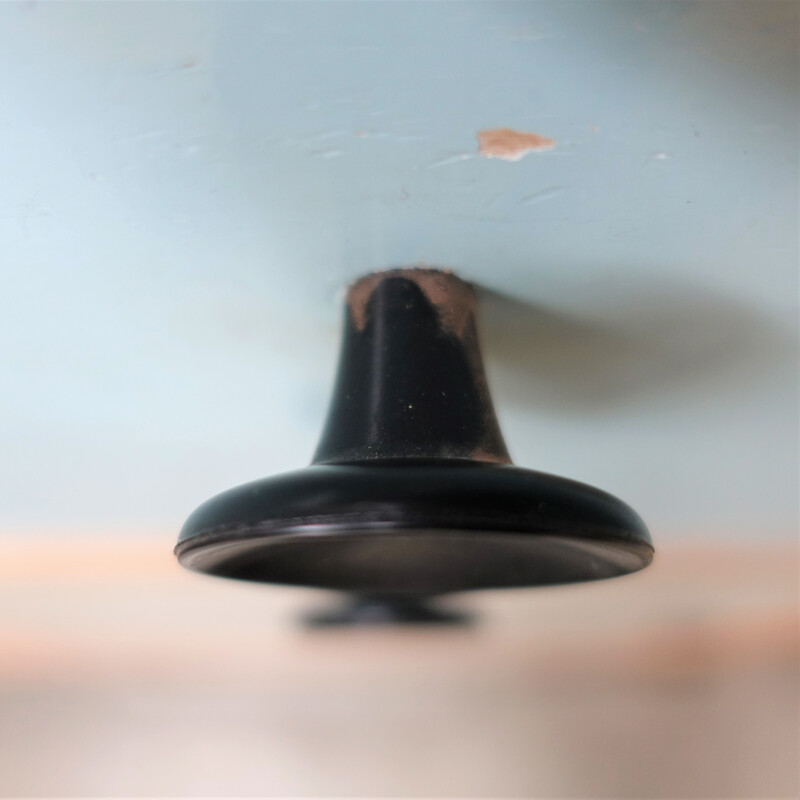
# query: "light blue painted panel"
x,y
185,188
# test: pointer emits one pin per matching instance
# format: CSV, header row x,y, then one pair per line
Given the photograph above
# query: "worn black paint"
x,y
409,494
409,387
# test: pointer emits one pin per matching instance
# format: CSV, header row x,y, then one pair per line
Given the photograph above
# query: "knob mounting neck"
x,y
411,383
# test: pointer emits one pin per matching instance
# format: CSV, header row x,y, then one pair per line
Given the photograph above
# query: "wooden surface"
x,y
121,674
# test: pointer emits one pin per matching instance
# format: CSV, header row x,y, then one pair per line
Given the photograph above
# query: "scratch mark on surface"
x,y
373,135
144,136
511,145
450,160
405,137
327,153
403,193
539,197
321,137
524,33
489,218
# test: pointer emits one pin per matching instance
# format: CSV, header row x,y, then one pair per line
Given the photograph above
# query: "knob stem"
x,y
411,383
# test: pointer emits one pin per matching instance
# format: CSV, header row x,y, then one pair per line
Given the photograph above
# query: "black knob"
x,y
411,492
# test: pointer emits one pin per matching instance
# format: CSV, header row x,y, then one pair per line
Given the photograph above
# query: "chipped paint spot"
x,y
511,145
480,453
453,298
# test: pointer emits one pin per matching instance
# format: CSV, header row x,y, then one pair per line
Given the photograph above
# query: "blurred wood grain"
x,y
678,681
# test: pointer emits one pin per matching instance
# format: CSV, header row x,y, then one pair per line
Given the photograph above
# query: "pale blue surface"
x,y
183,192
